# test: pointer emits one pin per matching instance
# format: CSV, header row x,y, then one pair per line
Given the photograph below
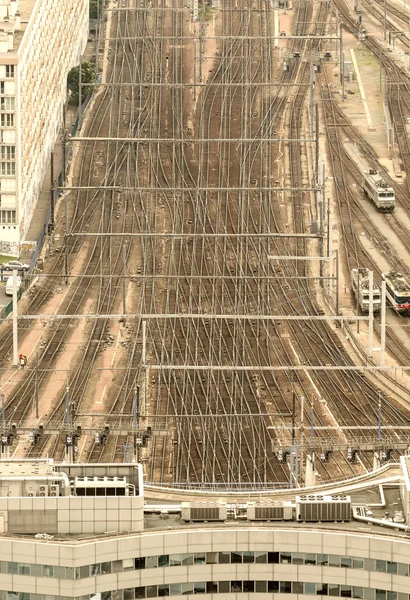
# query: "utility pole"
x,y
15,318
37,386
52,188
80,77
124,278
383,323
66,239
371,314
337,283
136,421
341,55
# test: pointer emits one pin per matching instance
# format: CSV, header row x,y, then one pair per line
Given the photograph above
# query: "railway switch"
x,y
283,456
352,454
325,455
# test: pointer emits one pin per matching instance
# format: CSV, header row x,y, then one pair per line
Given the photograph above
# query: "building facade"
x,y
217,562
40,41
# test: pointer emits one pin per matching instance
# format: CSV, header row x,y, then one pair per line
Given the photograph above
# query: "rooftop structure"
x,y
40,41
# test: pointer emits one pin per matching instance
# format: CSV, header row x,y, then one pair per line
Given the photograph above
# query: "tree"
x,y
87,76
96,8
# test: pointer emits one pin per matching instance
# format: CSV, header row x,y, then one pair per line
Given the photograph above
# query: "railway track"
x,y
218,420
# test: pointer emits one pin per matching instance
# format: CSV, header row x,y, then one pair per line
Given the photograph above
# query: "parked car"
x,y
15,265
9,285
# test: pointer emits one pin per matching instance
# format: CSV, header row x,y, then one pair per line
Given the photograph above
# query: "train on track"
x,y
361,290
397,292
378,190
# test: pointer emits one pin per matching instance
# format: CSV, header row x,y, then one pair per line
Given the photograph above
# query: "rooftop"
x,y
14,18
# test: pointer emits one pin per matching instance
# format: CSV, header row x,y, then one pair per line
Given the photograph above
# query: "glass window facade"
x,y
225,587
201,558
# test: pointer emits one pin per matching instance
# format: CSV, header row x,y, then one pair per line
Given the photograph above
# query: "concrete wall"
x,y
72,515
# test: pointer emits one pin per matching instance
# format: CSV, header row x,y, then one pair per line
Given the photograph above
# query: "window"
x,y
297,587
403,569
105,568
285,587
2,87
129,594
7,120
212,587
249,586
381,566
151,591
298,558
358,563
187,559
260,587
334,560
7,103
346,562
106,596
128,564
199,559
7,152
391,595
95,569
224,557
186,588
163,589
7,168
211,558
260,557
175,589
84,571
310,588
322,560
321,589
224,587
346,591
392,567
285,558
116,566
139,592
236,586
150,562
12,567
236,557
24,569
380,594
163,560
199,587
357,592
247,557
9,71
310,559
333,589
59,572
273,586
140,563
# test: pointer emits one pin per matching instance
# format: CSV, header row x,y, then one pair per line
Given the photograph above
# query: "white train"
x,y
361,289
397,291
379,190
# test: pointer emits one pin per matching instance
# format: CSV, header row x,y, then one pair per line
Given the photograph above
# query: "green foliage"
x,y
87,76
96,8
205,11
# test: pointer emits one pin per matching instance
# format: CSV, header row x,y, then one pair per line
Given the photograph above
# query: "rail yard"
x,y
188,309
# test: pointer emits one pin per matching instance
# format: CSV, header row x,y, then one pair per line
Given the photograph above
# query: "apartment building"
x,y
40,41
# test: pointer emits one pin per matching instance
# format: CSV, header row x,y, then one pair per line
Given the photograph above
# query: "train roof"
x,y
377,180
398,282
363,279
